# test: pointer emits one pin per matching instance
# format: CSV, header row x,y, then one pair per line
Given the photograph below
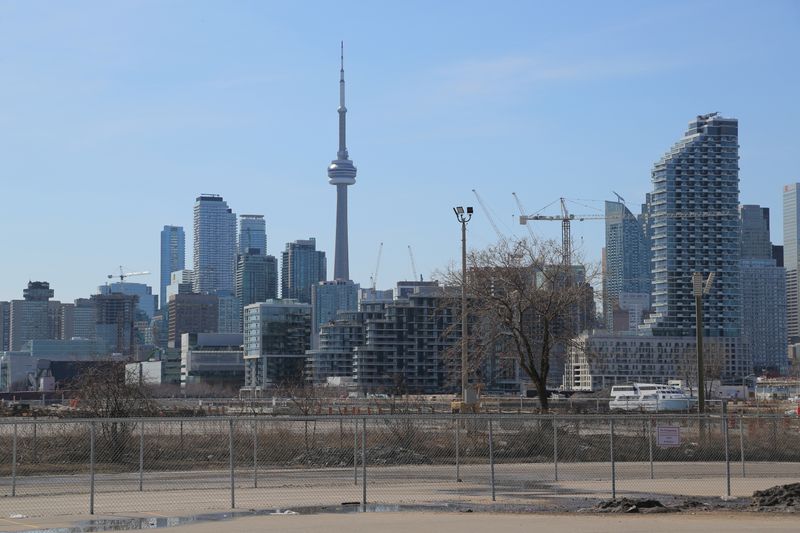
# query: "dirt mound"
x,y
628,505
778,498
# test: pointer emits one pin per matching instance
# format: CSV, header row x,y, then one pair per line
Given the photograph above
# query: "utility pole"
x,y
464,217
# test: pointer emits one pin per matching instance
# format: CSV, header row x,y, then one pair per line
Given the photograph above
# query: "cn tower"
x,y
341,174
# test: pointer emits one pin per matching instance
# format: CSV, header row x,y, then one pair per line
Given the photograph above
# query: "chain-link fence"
x,y
177,466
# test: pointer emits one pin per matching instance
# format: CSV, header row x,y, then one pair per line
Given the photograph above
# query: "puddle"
x,y
130,524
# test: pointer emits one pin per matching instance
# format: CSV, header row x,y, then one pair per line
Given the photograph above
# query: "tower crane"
x,y
374,276
413,263
122,274
488,215
566,218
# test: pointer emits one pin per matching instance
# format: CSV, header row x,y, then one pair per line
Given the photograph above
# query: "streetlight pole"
x,y
699,290
464,217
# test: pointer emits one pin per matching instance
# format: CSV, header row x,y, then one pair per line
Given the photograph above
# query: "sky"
x,y
115,116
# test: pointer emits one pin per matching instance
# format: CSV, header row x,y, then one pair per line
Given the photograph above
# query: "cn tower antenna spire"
x,y
341,173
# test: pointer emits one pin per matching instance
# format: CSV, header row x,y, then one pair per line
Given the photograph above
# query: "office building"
x,y
791,258
35,316
173,258
625,267
214,245
78,320
147,301
301,267
191,313
230,313
764,332
252,235
276,337
115,317
213,360
5,326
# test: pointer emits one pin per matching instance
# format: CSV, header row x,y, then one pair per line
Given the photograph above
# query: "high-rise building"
x,y
173,257
5,326
327,299
256,278
115,317
192,313
625,266
147,303
276,337
35,316
341,174
252,235
230,313
79,320
755,232
695,225
214,245
791,258
302,266
763,294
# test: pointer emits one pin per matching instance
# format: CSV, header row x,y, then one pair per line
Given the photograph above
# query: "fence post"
x,y
231,457
741,441
613,464
141,454
255,453
35,443
727,449
91,467
355,452
14,462
458,458
555,449
491,456
363,465
650,444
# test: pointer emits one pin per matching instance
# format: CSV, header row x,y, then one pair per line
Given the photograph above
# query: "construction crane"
x,y
488,215
122,274
522,211
566,218
374,276
413,263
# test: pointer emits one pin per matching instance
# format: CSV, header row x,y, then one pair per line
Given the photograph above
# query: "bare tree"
x,y
524,301
106,390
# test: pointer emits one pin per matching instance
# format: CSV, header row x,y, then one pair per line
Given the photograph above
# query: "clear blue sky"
x,y
115,115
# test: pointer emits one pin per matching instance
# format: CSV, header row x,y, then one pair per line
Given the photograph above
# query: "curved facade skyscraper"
x,y
694,213
341,174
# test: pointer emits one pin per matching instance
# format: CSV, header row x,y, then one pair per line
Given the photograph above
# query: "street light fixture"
x,y
699,291
467,396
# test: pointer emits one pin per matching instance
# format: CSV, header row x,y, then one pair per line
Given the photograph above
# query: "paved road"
x,y
198,491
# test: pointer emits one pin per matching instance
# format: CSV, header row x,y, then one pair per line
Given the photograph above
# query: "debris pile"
x,y
628,505
779,498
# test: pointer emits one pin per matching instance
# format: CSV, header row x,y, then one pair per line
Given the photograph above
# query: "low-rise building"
x,y
212,359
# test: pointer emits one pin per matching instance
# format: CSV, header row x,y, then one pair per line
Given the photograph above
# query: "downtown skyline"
x,y
426,128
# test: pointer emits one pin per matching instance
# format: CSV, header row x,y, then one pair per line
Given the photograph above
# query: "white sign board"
x,y
668,436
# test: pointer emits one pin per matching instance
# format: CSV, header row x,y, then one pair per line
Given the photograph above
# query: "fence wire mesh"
x,y
179,466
